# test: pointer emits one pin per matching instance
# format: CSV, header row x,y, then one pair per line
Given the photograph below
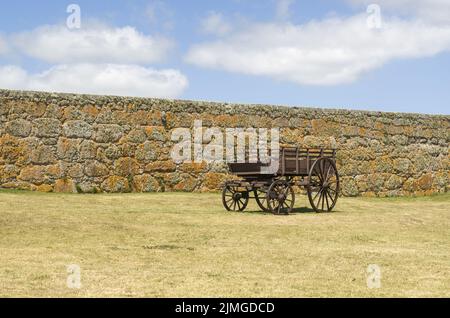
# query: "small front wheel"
x,y
234,199
280,197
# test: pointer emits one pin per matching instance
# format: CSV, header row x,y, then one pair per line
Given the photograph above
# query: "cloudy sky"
x,y
392,56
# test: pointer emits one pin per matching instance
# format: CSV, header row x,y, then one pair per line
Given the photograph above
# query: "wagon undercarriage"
x,y
313,169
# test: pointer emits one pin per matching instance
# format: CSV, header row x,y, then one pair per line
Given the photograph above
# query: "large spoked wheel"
x,y
323,187
234,199
280,197
261,199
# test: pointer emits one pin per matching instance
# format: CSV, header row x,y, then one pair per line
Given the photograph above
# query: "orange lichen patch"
x,y
44,188
161,166
369,194
425,182
145,183
8,173
155,133
40,174
91,111
37,109
10,148
213,181
408,130
193,167
188,184
19,185
350,131
318,126
126,167
142,117
379,126
123,118
76,171
227,121
65,186
54,171
171,120
116,184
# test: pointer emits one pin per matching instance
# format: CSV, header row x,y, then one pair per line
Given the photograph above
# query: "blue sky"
x,y
313,53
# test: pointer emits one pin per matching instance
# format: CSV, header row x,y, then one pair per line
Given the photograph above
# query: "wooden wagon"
x,y
313,169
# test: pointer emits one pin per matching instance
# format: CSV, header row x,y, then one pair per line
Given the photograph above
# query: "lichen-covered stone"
x,y
44,188
113,152
394,182
47,127
349,187
95,169
193,168
8,173
402,165
160,166
75,170
108,133
187,183
425,182
88,150
43,155
213,181
65,186
126,167
137,136
146,152
11,150
19,128
155,133
77,129
40,174
146,183
116,184
68,149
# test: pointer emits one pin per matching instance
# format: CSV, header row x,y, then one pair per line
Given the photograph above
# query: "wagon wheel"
x,y
280,197
323,186
261,199
233,199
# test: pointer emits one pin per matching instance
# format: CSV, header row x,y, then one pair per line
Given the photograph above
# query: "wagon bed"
x,y
293,162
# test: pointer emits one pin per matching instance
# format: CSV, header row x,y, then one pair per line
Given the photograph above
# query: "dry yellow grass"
x,y
186,245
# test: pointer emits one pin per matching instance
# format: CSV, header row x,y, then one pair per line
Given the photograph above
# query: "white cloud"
x,y
3,46
215,24
436,11
283,9
92,44
328,52
158,13
109,79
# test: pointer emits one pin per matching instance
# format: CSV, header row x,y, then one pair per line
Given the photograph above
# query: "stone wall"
x,y
79,143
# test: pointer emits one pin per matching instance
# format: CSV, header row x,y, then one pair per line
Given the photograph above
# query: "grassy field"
x,y
186,245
